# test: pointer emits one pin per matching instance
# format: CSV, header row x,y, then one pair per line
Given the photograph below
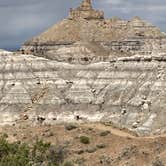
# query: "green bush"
x,y
84,139
56,154
21,154
101,146
39,150
91,149
70,126
104,133
14,154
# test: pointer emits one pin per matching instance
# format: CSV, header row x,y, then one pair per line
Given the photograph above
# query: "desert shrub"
x,y
80,151
104,133
56,154
70,126
39,150
5,135
47,153
14,154
84,139
21,154
91,149
101,146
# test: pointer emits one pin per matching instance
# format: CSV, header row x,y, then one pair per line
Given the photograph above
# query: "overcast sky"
x,y
22,19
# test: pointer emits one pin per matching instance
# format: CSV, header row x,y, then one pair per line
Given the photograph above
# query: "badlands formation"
x,y
88,68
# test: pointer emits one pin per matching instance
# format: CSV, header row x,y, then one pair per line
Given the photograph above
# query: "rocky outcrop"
x,y
88,25
127,91
85,11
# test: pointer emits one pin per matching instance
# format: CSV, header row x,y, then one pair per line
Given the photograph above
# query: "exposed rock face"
x,y
82,53
128,91
85,11
86,24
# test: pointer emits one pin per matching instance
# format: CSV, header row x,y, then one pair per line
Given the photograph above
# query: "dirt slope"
x,y
108,146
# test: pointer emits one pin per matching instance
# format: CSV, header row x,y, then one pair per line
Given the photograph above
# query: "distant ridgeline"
x,y
86,25
12,48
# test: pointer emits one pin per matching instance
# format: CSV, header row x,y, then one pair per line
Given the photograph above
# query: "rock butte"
x,y
84,24
87,68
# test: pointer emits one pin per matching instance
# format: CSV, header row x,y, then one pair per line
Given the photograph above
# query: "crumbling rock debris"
x,y
127,152
25,117
106,160
41,119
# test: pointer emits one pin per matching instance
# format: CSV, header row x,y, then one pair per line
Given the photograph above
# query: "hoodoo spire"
x,y
86,11
86,5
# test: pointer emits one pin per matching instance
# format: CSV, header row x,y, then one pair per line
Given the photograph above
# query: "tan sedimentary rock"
x,y
128,91
86,24
85,11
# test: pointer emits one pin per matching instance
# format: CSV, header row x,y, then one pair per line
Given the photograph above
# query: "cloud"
x,y
22,19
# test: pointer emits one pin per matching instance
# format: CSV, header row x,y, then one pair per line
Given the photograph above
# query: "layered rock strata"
x,y
127,91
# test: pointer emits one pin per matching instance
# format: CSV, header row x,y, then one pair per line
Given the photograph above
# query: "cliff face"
x,y
129,92
135,36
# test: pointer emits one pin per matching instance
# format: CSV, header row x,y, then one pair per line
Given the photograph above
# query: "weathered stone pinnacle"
x,y
86,11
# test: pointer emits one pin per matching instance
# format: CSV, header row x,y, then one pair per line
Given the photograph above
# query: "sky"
x,y
22,19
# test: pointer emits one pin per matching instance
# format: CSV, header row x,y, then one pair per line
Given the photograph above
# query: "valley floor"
x,y
106,146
